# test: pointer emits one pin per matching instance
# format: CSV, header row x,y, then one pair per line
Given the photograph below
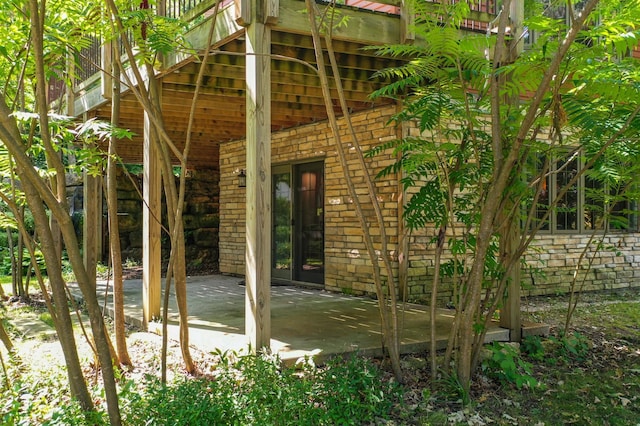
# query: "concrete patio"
x,y
304,321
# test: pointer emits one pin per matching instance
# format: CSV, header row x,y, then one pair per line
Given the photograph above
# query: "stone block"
x,y
534,329
135,239
128,222
190,221
209,221
206,237
129,206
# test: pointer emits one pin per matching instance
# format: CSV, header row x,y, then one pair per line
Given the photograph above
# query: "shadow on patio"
x,y
304,321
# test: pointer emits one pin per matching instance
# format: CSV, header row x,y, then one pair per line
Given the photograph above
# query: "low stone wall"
x,y
201,218
554,259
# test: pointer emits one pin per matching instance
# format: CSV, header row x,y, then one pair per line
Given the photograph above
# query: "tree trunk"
x,y
4,337
387,306
37,193
63,324
150,101
114,231
20,259
174,216
434,300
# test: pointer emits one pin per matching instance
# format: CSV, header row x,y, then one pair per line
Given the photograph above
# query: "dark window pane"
x,y
593,204
567,206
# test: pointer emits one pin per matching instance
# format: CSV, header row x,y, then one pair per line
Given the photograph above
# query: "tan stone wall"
x,y
347,267
554,259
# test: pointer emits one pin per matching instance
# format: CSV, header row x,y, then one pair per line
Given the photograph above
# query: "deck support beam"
x,y
151,214
258,166
510,315
92,224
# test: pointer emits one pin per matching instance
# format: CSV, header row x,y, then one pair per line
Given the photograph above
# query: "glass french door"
x,y
282,221
298,223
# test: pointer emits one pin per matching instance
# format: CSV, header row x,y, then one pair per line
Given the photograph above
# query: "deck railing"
x,y
89,59
482,10
178,8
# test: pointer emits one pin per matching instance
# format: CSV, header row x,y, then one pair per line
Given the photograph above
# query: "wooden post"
x,y
258,219
510,315
151,214
92,224
106,80
407,21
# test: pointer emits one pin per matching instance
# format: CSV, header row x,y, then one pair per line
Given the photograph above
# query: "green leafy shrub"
x,y
351,392
38,399
570,348
258,390
532,347
506,365
249,390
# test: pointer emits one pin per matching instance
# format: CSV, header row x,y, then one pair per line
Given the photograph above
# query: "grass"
x,y
597,384
590,377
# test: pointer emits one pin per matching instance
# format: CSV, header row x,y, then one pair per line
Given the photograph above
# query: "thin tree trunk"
x,y
29,243
63,324
19,253
503,167
37,193
434,300
114,230
14,266
150,101
178,271
177,234
4,337
387,307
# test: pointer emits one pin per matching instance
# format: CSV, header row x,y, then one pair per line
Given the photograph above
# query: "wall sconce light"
x,y
242,179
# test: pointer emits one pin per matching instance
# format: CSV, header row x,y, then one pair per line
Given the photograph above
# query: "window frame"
x,y
557,163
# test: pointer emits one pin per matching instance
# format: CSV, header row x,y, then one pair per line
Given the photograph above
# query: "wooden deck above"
x,y
295,88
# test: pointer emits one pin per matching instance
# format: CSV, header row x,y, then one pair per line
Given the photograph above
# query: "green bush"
x,y
351,392
252,390
532,347
570,348
505,364
257,390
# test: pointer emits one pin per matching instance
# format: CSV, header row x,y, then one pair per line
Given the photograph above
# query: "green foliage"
x,y
45,317
37,398
248,390
570,348
505,364
450,389
257,390
473,113
563,349
532,347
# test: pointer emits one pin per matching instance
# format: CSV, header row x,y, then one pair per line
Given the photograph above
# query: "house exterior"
x,y
553,257
294,221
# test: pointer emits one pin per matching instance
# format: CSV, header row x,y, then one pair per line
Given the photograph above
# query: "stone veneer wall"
x,y
346,266
201,218
554,259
